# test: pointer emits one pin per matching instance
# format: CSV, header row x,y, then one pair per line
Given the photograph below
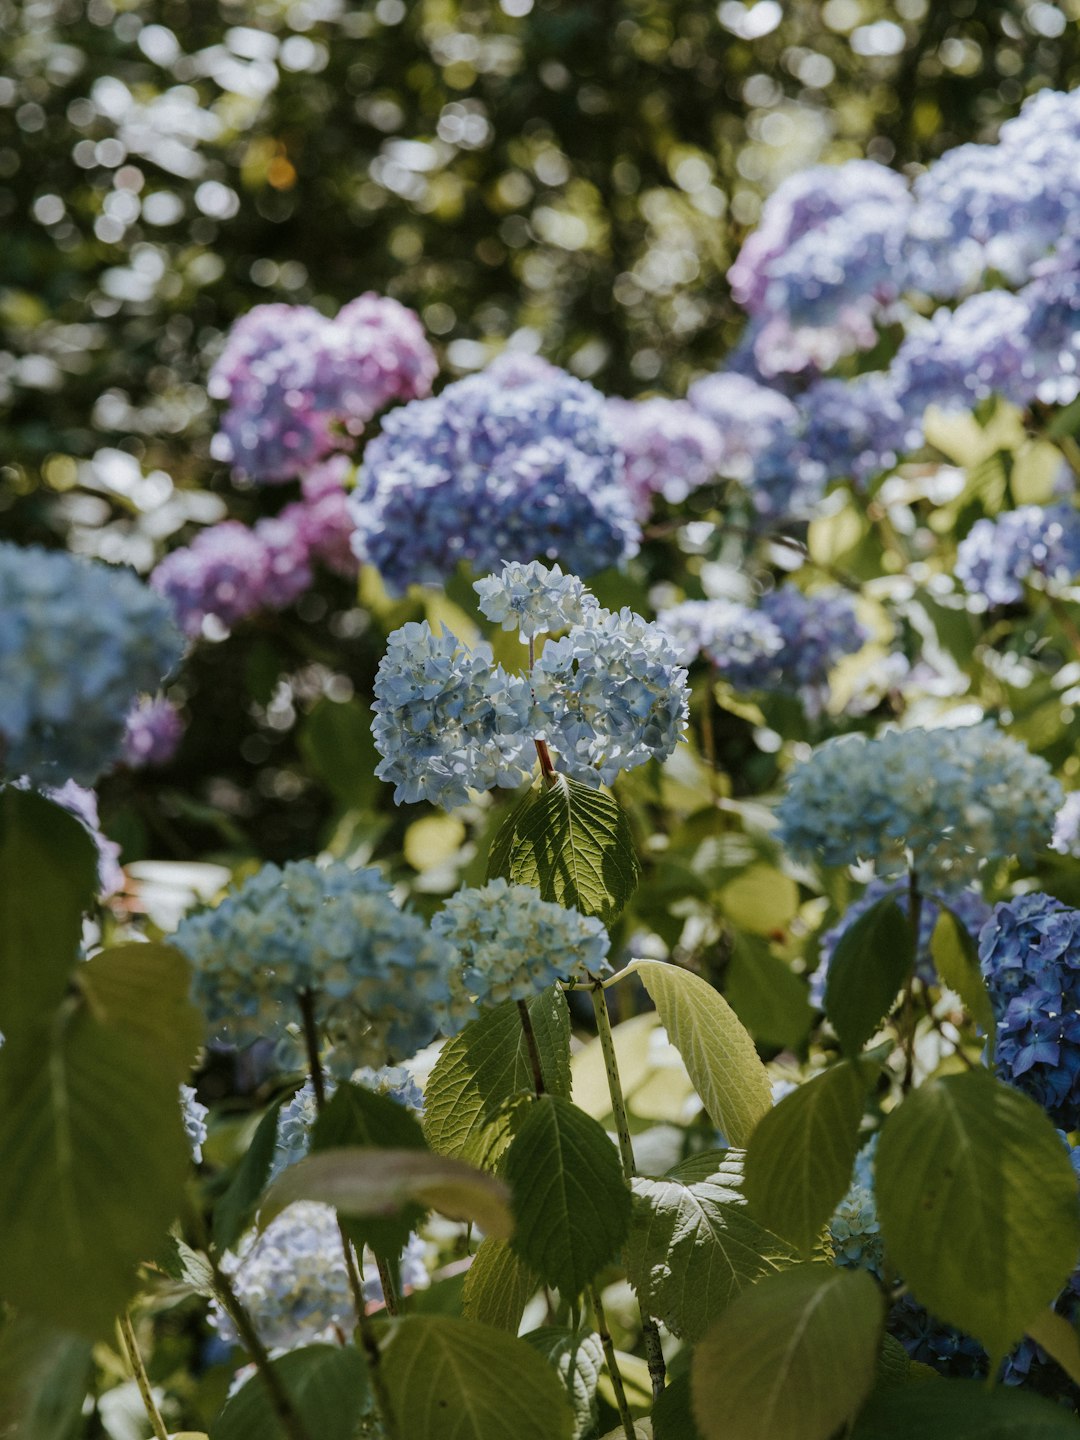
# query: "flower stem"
x,y
279,1397
532,1047
142,1379
909,1015
547,767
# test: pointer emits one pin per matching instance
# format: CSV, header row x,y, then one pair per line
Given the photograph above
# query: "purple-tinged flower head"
x,y
1066,839
962,356
79,641
224,573
1029,952
749,417
518,461
378,353
323,514
152,732
668,448
996,558
288,557
1051,330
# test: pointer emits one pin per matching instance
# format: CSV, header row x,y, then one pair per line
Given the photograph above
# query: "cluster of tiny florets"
x,y
297,1116
669,448
512,944
152,732
942,801
998,557
193,1113
533,599
79,641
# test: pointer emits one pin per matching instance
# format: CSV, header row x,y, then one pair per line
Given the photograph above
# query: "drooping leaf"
x,y
233,1211
977,1203
94,1149
872,959
577,1357
44,1378
488,1064
48,878
573,844
327,1385
800,1157
717,1051
766,994
498,1287
694,1246
1060,1341
363,1182
793,1358
457,1380
956,957
963,1410
571,1203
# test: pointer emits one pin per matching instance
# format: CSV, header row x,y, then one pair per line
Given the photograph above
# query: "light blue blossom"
x,y
724,631
997,557
297,1117
855,1233
533,599
194,1114
1066,839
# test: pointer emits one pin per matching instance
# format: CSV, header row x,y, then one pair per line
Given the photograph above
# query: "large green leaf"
x,y
792,1358
766,994
233,1211
800,1157
94,1149
48,878
977,1202
363,1182
498,1287
571,1203
577,1357
44,1378
335,741
457,1380
963,1410
872,959
693,1245
573,844
488,1064
1060,1341
673,1415
718,1053
956,957
327,1385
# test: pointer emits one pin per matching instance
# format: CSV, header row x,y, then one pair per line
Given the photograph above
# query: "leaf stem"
x,y
908,1015
532,1047
608,1345
547,767
142,1379
280,1398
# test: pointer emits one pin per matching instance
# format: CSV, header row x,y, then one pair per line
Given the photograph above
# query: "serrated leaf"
x,y
95,1154
694,1246
44,1378
894,1364
187,1266
956,958
793,1358
571,843
766,994
718,1053
498,1287
48,878
361,1182
577,1357
1060,1341
327,1385
977,1204
963,1410
457,1380
571,1203
488,1064
872,959
800,1157
233,1211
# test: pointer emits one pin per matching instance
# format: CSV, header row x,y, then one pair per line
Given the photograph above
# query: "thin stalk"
x,y
532,1047
142,1379
621,1403
279,1397
908,1014
547,766
386,1280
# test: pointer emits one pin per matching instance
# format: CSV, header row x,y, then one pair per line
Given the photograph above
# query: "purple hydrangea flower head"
x,y
998,557
324,516
1051,333
518,461
378,353
224,573
152,732
750,418
727,633
668,448
79,640
962,356
288,568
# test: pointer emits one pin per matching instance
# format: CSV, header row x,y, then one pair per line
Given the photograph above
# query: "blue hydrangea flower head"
x,y
1066,840
730,635
959,357
533,599
669,448
749,417
944,801
512,944
79,641
297,1117
997,557
194,1114
855,1233
381,982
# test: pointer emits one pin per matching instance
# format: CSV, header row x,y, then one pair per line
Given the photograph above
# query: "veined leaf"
x,y
577,1357
498,1287
872,959
963,1410
326,1383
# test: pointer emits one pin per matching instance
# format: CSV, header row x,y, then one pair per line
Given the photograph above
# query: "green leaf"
x,y
488,1064
1060,1341
571,1203
573,844
457,1380
498,1287
792,1358
800,1157
95,1154
362,1182
872,959
326,1383
673,1415
718,1053
44,1379
761,900
766,994
232,1213
956,957
356,1116
694,1246
48,878
963,1410
894,1365
977,1203
335,741
577,1357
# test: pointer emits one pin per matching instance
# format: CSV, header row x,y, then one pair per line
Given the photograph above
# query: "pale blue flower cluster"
x,y
380,982
512,944
996,558
855,1234
152,732
516,461
297,1117
942,801
1066,839
749,417
730,635
669,448
194,1114
533,599
79,641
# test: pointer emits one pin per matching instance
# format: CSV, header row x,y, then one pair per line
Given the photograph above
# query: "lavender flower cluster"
x,y
669,448
517,461
152,732
997,557
298,385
